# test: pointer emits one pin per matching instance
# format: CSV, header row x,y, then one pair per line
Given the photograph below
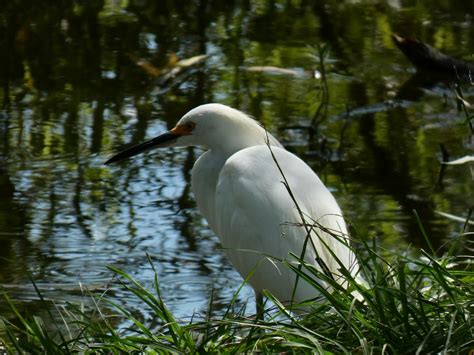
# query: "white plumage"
x,y
238,189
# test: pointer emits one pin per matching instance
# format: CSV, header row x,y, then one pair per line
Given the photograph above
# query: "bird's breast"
x,y
204,178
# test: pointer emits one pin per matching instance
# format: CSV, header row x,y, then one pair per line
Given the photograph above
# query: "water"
x,y
80,81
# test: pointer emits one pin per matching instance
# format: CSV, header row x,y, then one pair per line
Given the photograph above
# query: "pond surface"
x,y
80,80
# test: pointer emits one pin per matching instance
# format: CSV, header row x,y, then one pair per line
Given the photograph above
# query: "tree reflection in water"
x,y
79,79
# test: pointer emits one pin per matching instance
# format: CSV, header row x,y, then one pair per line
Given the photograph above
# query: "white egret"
x,y
238,189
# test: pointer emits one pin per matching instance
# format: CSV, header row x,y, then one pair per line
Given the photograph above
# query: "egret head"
x,y
213,126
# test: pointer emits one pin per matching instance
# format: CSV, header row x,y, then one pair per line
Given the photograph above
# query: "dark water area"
x,y
80,80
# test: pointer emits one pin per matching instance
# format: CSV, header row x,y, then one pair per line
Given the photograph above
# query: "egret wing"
x,y
259,224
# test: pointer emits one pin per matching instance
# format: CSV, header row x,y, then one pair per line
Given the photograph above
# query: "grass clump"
x,y
410,304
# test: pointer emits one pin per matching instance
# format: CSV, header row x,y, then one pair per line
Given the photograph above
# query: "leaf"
x,y
149,68
184,63
454,218
272,70
463,160
463,101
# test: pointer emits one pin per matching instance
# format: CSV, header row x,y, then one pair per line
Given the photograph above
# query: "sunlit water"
x,y
64,216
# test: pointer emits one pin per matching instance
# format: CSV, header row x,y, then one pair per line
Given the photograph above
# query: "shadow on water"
x,y
80,80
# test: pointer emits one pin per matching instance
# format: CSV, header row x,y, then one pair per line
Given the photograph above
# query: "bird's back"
x,y
255,217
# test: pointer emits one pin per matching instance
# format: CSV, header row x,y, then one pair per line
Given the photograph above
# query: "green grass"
x,y
411,305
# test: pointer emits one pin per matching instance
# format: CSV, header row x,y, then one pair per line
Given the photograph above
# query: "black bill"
x,y
161,141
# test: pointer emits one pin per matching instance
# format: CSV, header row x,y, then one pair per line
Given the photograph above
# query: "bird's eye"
x,y
190,125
